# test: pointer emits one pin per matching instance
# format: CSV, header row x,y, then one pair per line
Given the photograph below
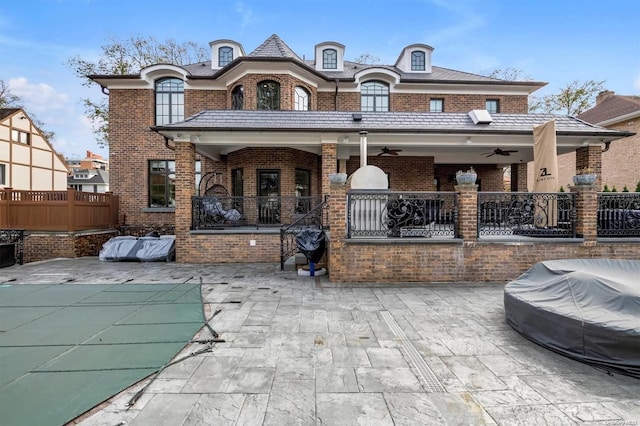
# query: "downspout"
x,y
105,90
166,143
606,146
335,97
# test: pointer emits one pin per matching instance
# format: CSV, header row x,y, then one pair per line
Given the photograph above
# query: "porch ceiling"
x,y
445,148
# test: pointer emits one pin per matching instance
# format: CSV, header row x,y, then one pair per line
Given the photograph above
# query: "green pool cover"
x,y
66,348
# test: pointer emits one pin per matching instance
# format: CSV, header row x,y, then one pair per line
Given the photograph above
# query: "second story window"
x,y
169,101
225,55
20,136
269,95
493,106
436,105
417,61
302,99
237,97
374,96
329,59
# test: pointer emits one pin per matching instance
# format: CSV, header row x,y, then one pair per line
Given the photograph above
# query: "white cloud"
x,y
636,83
38,97
246,13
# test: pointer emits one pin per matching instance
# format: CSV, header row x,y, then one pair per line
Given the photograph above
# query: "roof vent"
x,y
480,116
357,116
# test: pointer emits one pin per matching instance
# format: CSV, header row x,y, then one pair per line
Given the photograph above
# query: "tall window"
x,y
374,96
417,61
162,182
269,95
237,181
436,105
3,174
303,190
302,99
493,106
237,98
329,59
225,55
169,101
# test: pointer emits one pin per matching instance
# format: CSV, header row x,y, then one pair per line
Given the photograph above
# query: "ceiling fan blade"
x,y
491,155
380,154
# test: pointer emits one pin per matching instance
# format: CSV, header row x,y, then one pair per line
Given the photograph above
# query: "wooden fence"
x,y
68,210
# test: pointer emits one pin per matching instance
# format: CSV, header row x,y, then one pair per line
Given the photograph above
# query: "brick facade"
x,y
51,245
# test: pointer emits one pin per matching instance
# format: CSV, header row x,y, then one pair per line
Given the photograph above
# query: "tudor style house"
x,y
262,132
27,159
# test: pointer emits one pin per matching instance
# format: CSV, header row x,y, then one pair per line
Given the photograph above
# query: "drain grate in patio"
x,y
429,379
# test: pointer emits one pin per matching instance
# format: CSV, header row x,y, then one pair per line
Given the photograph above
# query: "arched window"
x,y
225,55
269,95
329,59
169,101
374,96
237,97
417,60
302,99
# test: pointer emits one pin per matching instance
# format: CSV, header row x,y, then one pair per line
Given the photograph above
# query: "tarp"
x,y
545,166
66,348
587,309
142,249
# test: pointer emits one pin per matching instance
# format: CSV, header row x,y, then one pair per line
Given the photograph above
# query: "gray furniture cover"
x,y
140,249
587,309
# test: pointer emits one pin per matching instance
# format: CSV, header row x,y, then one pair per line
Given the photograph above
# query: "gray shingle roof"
x,y
6,112
407,122
274,47
100,177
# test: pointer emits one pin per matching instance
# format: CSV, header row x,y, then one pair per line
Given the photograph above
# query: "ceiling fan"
x,y
498,151
388,151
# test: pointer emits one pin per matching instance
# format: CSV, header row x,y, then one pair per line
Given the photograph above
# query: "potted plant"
x,y
585,176
466,178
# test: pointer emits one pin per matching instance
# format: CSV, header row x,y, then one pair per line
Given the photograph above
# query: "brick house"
x,y
620,159
27,159
270,126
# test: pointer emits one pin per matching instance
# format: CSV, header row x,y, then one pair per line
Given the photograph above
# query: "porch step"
x,y
291,264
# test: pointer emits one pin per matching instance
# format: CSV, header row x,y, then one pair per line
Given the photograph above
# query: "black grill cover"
x,y
311,243
587,309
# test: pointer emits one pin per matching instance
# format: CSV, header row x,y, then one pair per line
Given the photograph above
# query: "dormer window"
x,y
417,60
329,59
225,55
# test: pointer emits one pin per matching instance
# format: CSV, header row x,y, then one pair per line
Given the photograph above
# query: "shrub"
x,y
606,188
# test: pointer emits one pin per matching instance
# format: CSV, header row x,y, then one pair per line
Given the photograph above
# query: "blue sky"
x,y
555,41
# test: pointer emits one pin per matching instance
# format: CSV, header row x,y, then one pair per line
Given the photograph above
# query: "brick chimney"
x,y
604,95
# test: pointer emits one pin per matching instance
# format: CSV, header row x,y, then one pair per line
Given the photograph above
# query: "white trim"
x,y
614,120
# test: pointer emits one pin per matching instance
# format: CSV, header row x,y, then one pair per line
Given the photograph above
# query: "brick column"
x,y
519,177
338,231
185,189
587,212
468,212
329,164
590,157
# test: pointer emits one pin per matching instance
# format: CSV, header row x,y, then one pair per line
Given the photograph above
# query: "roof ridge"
x,y
274,46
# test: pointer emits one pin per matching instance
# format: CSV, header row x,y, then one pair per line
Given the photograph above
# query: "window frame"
x,y
369,91
264,100
174,100
225,58
497,105
169,182
20,136
436,101
330,59
3,174
298,98
418,60
237,97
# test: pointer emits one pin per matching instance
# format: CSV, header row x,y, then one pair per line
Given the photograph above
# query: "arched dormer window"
x,y
302,99
169,100
329,59
418,60
269,95
237,98
374,96
225,55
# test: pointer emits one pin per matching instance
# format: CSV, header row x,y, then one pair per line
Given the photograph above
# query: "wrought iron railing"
x,y
402,214
218,212
534,214
316,218
619,214
14,238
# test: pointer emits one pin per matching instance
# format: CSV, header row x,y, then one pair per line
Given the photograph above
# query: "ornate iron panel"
x,y
619,214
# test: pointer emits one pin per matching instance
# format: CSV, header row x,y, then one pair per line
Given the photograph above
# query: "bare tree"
x,y
8,99
509,74
573,98
123,57
367,59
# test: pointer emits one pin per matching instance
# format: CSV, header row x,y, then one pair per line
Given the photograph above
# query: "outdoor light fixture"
x,y
357,116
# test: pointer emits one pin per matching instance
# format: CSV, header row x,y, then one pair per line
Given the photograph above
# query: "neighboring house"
x,y
89,180
27,159
620,159
272,125
91,161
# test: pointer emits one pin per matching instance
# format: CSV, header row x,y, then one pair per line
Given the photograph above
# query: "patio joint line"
x,y
429,379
